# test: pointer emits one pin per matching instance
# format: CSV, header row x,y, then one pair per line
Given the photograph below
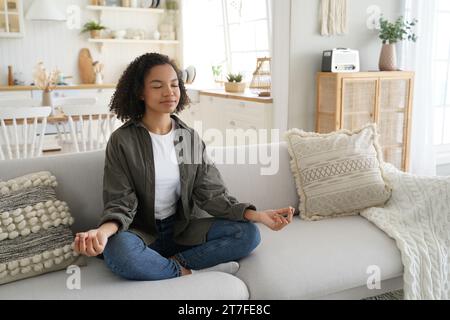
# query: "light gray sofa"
x,y
326,259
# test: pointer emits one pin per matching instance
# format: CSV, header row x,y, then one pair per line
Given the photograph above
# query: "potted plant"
x,y
94,28
391,33
234,83
217,73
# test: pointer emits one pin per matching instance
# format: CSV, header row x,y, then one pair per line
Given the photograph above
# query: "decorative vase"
x,y
388,58
236,87
47,100
98,78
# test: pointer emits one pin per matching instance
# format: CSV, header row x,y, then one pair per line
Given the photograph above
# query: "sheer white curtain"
x,y
418,57
203,41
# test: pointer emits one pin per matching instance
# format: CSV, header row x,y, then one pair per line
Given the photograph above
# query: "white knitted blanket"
x,y
418,217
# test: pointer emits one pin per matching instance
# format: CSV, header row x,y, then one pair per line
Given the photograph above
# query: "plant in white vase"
x,y
217,73
391,33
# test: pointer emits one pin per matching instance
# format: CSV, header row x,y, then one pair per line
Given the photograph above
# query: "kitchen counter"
x,y
68,87
194,91
246,96
220,93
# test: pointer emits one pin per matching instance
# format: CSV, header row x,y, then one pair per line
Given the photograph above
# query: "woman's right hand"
x,y
91,243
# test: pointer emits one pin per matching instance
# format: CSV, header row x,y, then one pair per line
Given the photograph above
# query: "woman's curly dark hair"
x,y
126,102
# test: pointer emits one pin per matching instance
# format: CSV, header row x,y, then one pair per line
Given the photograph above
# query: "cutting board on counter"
x,y
86,67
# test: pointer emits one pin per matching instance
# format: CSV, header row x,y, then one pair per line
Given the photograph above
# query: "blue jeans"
x,y
127,255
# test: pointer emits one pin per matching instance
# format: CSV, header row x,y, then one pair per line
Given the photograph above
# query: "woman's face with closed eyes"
x,y
161,91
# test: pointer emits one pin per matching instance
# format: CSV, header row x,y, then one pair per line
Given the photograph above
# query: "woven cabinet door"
x,y
392,120
359,100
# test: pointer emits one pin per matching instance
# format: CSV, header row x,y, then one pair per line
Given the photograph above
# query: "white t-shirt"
x,y
167,174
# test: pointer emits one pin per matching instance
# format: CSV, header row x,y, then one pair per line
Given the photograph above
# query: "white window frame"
x,y
226,26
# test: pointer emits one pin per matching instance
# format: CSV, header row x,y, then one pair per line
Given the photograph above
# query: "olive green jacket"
x,y
129,185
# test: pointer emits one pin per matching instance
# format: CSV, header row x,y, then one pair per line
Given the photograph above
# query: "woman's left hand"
x,y
275,219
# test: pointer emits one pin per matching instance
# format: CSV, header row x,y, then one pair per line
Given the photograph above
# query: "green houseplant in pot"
x,y
217,73
390,34
235,83
94,28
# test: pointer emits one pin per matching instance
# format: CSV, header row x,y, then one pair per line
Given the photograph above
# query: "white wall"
x,y
53,43
443,170
281,39
307,45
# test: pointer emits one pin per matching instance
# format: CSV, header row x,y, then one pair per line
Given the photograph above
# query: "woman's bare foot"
x,y
184,271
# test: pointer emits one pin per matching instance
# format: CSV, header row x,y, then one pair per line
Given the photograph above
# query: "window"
x,y
441,78
229,33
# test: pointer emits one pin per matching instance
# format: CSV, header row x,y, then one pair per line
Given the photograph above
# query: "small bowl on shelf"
x,y
119,34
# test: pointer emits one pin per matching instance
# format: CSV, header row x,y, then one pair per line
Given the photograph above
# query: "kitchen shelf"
x,y
141,19
102,42
134,41
60,87
125,9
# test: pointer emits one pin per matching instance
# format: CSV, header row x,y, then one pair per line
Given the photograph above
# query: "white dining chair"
x,y
61,102
22,131
90,126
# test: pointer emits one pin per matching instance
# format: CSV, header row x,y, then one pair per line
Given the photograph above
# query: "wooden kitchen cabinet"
x,y
103,95
11,19
351,100
217,113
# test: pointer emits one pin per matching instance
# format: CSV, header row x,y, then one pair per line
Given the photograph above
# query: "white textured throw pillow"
x,y
338,173
35,234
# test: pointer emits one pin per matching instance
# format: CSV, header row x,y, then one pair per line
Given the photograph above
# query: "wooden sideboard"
x,y
350,100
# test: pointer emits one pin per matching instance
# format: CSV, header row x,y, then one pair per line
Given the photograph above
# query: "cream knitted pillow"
x,y
337,173
35,235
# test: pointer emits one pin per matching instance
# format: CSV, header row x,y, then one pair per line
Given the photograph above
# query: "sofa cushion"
x,y
80,177
338,173
308,260
35,235
97,282
268,184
